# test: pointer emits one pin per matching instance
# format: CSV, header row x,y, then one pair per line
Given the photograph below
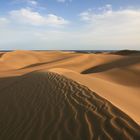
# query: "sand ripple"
x,y
47,106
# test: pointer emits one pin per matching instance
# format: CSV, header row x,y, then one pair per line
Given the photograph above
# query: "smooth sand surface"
x,y
69,96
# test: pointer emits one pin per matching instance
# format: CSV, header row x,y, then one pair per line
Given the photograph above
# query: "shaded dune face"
x,y
119,63
1,54
47,106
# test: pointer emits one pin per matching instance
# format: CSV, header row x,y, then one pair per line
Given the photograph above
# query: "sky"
x,y
69,24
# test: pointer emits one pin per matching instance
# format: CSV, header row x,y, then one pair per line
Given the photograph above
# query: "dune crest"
x,y
51,106
104,89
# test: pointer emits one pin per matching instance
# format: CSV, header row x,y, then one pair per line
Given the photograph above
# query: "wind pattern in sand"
x,y
48,106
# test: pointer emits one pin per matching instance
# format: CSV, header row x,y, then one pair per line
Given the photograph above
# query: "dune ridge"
x,y
129,104
45,105
69,95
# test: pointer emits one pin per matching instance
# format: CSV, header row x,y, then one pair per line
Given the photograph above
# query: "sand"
x,y
58,95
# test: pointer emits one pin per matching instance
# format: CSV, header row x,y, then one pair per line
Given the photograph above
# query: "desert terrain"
x,y
67,95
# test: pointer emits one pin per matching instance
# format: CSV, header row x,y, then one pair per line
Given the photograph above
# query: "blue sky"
x,y
70,24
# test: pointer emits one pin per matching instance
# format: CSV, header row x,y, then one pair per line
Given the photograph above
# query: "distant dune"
x,y
57,95
127,52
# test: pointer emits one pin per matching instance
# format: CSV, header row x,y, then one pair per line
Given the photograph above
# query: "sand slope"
x,y
124,97
39,101
44,105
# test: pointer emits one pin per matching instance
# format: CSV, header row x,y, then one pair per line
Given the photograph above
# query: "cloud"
x,y
32,2
110,16
107,27
101,28
27,16
63,1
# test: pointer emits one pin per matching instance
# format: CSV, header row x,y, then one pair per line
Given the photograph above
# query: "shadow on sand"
x,y
121,63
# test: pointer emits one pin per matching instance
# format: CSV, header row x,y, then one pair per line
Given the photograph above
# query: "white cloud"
x,y
35,18
63,1
112,28
55,20
106,8
32,2
28,2
110,16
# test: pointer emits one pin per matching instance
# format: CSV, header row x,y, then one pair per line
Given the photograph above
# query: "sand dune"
x,y
1,54
113,92
69,95
123,67
126,52
44,105
19,59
